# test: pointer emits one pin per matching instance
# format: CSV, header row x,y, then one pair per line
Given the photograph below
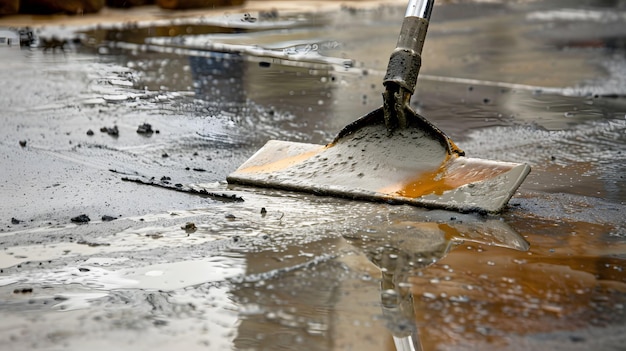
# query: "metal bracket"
x,y
402,71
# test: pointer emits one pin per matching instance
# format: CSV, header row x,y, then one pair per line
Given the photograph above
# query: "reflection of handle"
x,y
398,311
406,60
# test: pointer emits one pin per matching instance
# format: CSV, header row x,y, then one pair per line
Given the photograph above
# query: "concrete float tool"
x,y
391,154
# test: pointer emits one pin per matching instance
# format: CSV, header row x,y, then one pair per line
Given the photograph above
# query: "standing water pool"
x,y
137,124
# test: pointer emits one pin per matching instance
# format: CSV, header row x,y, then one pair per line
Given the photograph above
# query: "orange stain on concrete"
x,y
453,173
282,163
483,294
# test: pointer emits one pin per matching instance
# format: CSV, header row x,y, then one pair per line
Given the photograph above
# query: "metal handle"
x,y
406,60
405,63
420,8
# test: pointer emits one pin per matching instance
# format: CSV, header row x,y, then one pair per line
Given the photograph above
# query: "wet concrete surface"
x,y
538,82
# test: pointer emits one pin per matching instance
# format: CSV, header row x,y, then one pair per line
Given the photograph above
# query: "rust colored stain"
x,y
454,172
282,163
570,276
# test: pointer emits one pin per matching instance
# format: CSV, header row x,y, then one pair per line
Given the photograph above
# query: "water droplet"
x,y
316,328
429,295
508,280
461,298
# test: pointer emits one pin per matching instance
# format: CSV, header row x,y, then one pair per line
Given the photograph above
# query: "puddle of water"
x,y
129,240
287,270
178,275
567,280
294,281
507,81
162,277
77,301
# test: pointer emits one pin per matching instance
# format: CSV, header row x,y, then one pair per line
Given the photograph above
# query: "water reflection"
x,y
568,280
339,292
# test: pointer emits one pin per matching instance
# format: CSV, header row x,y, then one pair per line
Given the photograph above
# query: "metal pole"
x,y
419,8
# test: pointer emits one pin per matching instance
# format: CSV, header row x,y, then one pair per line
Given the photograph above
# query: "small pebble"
x,y
189,227
145,128
23,291
83,218
111,131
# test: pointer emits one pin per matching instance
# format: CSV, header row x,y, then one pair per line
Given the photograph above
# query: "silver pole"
x,y
420,8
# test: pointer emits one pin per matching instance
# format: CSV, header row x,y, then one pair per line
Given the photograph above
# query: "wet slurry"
x,y
185,263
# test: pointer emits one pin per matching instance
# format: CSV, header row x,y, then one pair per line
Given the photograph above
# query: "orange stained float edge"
x,y
454,172
282,163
